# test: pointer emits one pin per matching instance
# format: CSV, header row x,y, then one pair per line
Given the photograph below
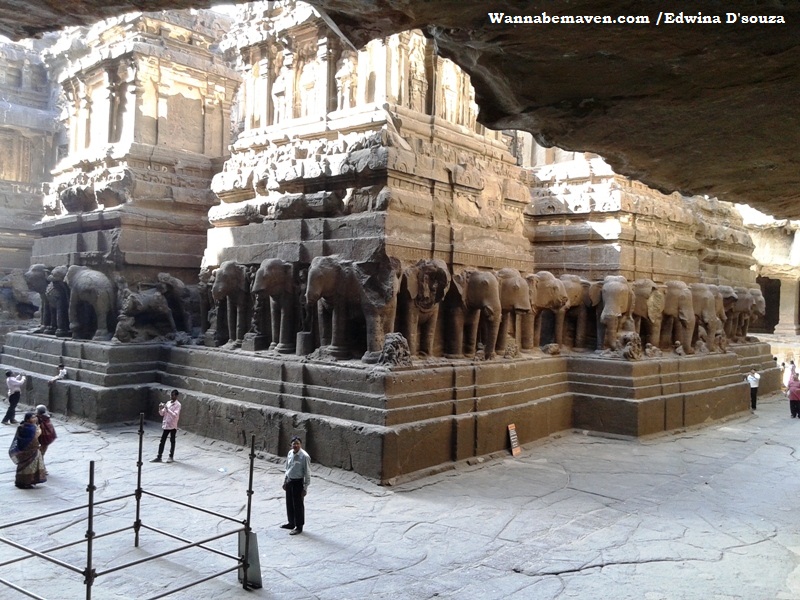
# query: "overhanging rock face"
x,y
690,107
701,108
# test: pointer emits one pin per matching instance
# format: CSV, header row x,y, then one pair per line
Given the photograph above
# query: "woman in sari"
x,y
25,453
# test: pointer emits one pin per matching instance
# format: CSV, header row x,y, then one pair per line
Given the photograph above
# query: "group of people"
x,y
791,385
36,432
297,476
32,437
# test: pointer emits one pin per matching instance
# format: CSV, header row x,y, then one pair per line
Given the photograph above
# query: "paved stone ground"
x,y
710,514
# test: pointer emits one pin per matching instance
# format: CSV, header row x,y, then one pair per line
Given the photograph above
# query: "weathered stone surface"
x,y
130,195
374,420
706,96
701,95
28,118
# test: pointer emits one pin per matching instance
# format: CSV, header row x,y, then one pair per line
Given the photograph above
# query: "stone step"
x,y
375,420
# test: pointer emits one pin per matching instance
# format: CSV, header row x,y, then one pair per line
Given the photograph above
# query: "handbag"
x,y
13,450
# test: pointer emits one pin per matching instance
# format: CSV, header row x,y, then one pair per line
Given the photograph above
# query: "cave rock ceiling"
x,y
702,108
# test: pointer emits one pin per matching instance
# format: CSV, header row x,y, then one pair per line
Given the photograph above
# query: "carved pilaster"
x,y
325,65
263,85
788,322
248,96
84,121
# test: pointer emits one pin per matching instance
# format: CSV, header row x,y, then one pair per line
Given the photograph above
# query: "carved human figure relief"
x,y
307,90
449,109
279,99
418,87
346,80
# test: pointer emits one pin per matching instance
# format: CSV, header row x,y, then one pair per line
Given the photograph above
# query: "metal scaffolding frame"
x,y
249,571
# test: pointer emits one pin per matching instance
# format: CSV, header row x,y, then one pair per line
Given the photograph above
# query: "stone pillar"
x,y
84,121
107,114
72,120
162,114
248,97
393,66
323,87
790,302
263,91
225,112
381,72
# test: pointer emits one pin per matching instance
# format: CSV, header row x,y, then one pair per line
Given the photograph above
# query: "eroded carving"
x,y
422,291
231,289
92,303
474,314
336,286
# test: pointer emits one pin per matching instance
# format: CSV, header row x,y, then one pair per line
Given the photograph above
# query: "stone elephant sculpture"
x,y
474,312
614,301
648,310
232,287
547,293
422,290
58,298
92,289
177,295
679,318
759,309
277,280
725,297
739,314
576,311
335,285
707,315
36,279
515,301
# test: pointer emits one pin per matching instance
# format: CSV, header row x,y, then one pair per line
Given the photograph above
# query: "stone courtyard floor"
x,y
711,513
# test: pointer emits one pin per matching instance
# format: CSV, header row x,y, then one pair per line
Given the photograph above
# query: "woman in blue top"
x,y
24,452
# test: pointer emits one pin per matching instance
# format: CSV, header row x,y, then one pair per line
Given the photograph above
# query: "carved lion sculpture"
x,y
145,316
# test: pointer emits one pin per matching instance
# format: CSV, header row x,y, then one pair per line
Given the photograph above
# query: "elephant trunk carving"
x,y
514,301
335,285
473,309
648,311
36,277
679,316
277,280
547,294
614,310
231,289
423,288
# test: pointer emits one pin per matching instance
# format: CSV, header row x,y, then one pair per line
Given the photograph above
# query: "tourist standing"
x,y
171,411
794,396
14,384
48,432
753,379
788,373
295,484
24,453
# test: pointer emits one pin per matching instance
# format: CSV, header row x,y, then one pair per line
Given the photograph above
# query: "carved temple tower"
x,y
359,149
589,220
28,121
364,217
147,112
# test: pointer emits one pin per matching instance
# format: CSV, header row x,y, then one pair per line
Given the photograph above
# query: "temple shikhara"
x,y
310,238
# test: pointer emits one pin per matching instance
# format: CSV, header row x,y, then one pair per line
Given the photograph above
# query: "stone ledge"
x,y
388,423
